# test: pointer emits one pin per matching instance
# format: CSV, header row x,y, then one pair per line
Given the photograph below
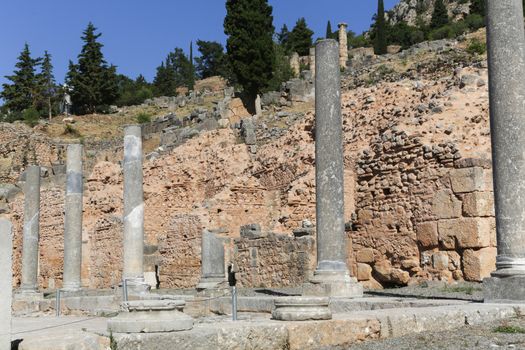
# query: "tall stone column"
x,y
6,283
73,220
31,231
295,64
343,45
506,58
312,61
212,259
133,210
331,276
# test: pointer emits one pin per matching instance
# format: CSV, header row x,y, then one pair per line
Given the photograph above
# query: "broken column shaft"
x,y
73,220
31,231
506,60
212,259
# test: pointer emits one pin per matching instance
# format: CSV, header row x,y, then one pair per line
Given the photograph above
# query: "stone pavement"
x,y
253,330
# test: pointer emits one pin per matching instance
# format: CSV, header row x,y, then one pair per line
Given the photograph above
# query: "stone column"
x,y
212,260
133,209
295,64
6,283
506,58
73,219
31,231
343,45
258,106
312,61
331,276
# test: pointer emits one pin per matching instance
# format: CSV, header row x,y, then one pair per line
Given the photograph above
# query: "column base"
x,y
301,309
504,289
137,287
333,284
211,283
71,288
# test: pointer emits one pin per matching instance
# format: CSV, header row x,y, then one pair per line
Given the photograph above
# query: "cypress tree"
x,y
47,84
94,84
212,61
329,33
191,73
283,36
301,38
380,42
249,27
22,93
440,15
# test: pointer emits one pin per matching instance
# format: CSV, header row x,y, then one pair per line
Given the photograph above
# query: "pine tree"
x,y
21,94
329,33
174,72
94,84
283,36
212,61
380,42
301,38
249,27
440,15
47,84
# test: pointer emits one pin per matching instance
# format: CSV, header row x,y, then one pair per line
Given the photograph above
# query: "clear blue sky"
x,y
138,34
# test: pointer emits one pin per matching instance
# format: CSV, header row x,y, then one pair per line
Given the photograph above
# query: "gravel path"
x,y
509,334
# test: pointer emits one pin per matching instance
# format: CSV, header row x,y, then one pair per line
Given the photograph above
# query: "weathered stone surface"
x,y
507,289
427,234
365,255
212,261
440,260
6,277
466,233
478,204
467,180
364,272
479,264
301,309
30,253
151,316
445,205
73,219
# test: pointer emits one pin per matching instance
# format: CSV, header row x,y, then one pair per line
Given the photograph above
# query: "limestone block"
x,y
364,272
399,276
365,255
427,234
301,309
466,233
467,180
440,260
478,204
383,270
478,264
445,205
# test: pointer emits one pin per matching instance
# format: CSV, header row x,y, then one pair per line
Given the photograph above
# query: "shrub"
x,y
70,130
143,118
31,117
476,47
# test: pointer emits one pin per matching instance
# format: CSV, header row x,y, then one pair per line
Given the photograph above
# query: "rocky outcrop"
x,y
410,10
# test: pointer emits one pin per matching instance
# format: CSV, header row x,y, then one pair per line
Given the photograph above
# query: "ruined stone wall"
x,y
274,260
180,252
423,213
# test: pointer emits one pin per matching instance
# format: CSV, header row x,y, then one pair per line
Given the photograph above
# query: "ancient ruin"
x,y
286,229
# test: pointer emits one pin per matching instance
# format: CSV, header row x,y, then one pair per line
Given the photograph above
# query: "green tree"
x,y
92,81
249,27
176,71
380,42
330,34
133,92
440,15
212,60
282,70
300,39
191,72
283,36
47,85
22,93
478,7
